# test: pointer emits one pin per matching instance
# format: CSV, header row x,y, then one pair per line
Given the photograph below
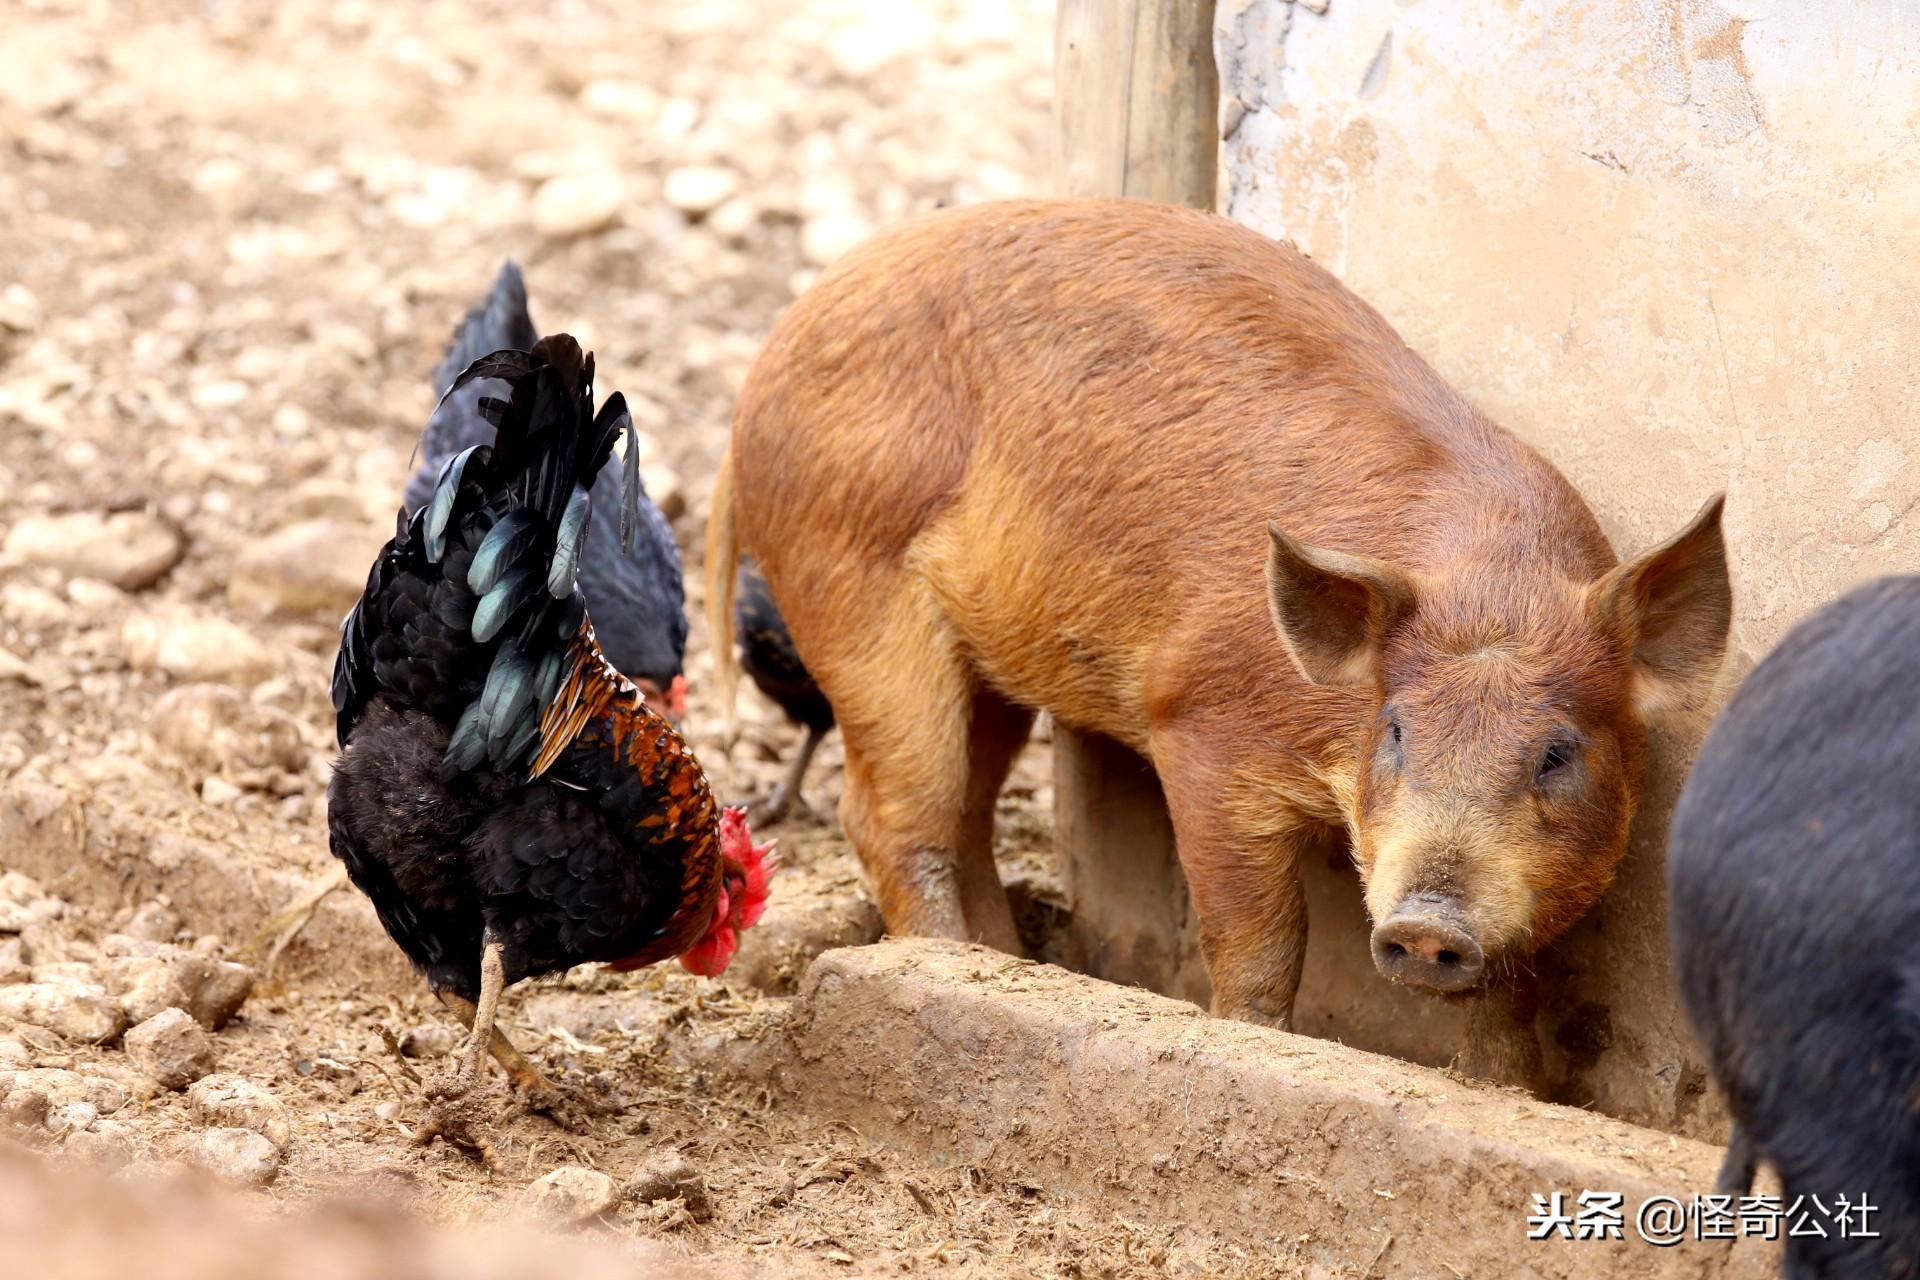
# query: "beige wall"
x,y
1676,246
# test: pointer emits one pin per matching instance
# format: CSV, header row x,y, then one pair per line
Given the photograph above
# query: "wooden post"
x,y
1136,100
1135,113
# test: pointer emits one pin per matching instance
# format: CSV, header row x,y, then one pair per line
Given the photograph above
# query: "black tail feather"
x,y
483,581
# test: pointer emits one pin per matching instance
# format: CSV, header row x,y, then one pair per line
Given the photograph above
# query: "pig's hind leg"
x,y
997,732
926,752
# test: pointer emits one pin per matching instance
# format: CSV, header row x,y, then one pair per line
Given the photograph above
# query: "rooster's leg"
x,y
523,1073
776,804
473,1054
457,1113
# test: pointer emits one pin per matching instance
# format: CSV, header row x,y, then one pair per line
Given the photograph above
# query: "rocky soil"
x,y
237,235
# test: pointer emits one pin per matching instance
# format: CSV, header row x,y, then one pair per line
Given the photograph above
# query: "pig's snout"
x,y
1426,942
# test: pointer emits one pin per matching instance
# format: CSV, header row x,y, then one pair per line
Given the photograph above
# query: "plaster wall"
x,y
1673,244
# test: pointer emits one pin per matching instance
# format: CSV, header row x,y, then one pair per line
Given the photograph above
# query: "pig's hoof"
x,y
1260,1012
1509,1065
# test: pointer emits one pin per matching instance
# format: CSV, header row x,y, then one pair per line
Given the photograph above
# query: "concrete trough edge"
x,y
1144,1108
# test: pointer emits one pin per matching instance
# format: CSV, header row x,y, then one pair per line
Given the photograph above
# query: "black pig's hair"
x,y
1794,878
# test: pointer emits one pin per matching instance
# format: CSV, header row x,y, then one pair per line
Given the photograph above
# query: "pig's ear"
x,y
1673,604
1333,609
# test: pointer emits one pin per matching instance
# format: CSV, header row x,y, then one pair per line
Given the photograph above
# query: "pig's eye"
x,y
1388,755
1556,757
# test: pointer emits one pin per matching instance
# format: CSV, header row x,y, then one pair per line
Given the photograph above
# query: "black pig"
x,y
1794,878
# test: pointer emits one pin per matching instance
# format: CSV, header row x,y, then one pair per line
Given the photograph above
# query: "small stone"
x,y
224,181
619,99
578,204
41,825
225,393
69,971
77,1011
23,903
677,117
96,598
859,49
825,237
32,607
144,985
130,549
193,646
572,1194
429,1040
669,1176
237,1156
315,568
106,1144
153,922
734,219
70,1117
172,1048
323,498
19,309
61,1086
230,1101
25,1107
216,989
43,943
13,969
15,667
698,189
214,728
541,164
148,977
218,792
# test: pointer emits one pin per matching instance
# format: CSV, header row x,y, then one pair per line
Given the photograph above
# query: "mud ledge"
x,y
1145,1108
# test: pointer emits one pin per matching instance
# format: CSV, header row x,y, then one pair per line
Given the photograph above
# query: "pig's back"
x,y
1073,419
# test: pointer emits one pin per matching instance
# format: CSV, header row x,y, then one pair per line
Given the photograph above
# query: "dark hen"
x,y
639,599
509,801
768,657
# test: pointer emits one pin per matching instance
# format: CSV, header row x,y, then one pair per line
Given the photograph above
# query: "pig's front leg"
x,y
1501,1043
1247,897
1254,940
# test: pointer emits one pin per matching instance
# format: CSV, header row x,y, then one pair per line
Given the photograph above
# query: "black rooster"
x,y
638,600
508,801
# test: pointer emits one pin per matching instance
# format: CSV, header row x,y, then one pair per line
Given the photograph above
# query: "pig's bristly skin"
x,y
1025,455
1794,877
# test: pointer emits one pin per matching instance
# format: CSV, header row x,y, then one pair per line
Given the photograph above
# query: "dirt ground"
x,y
237,235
